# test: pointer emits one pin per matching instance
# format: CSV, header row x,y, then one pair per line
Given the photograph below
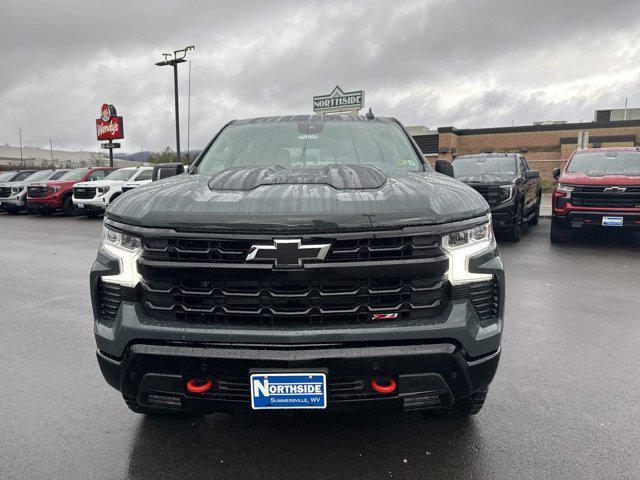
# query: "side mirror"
x,y
532,174
164,170
556,173
444,167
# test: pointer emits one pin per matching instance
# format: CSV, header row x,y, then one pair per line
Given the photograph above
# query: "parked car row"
x,y
72,191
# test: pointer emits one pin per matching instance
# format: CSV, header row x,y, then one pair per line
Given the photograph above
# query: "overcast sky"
x,y
435,62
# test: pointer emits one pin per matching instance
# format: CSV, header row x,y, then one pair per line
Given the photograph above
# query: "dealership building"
x,y
545,145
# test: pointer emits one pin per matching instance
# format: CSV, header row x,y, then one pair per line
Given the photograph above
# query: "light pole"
x,y
178,57
20,133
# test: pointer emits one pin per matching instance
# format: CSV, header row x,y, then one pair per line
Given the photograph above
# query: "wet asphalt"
x,y
565,402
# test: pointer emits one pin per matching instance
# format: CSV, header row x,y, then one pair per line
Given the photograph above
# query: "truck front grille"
x,y
5,192
606,197
84,193
254,302
365,278
342,250
484,296
37,192
491,193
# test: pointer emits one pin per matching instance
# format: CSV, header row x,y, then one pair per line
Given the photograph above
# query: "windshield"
x,y
120,175
58,174
606,163
311,144
76,174
6,176
469,166
41,175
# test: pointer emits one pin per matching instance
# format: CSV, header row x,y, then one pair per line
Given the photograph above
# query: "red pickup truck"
x,y
599,188
47,197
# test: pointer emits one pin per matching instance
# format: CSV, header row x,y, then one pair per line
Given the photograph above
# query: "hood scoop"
x,y
341,177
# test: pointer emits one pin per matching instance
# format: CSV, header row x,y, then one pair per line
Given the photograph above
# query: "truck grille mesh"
x,y
484,296
284,303
491,193
84,192
602,196
37,191
347,250
5,192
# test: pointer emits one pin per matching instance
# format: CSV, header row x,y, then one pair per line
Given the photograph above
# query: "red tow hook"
x,y
199,385
383,385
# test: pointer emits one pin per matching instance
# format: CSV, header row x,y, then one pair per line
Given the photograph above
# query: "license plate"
x,y
80,205
307,390
612,221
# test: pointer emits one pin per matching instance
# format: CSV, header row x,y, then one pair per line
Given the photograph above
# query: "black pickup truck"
x,y
302,262
509,186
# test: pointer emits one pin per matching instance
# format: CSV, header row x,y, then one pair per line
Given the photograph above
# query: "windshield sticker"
x,y
308,136
404,161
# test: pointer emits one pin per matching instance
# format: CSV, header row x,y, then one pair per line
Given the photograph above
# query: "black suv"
x,y
509,186
303,262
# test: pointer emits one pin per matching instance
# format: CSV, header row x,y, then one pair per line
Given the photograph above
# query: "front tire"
x,y
516,230
559,232
536,217
68,208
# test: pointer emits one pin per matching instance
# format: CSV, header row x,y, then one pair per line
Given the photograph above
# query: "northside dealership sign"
x,y
109,126
339,101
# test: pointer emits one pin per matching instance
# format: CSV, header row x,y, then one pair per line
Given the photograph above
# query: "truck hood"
x,y
597,178
268,199
58,183
101,183
489,178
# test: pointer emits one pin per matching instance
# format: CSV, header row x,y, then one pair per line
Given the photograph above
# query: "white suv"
x,y
94,197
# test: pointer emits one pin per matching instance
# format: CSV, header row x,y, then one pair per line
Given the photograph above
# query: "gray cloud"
x,y
463,63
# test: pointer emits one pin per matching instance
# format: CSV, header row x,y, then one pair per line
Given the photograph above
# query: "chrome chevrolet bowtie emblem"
x,y
288,252
614,190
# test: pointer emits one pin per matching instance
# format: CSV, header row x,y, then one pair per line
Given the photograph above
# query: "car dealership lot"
x,y
564,403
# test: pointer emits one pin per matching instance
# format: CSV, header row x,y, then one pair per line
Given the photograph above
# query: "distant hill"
x,y
144,156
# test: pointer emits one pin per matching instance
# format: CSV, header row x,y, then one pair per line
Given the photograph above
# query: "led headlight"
x,y
103,190
126,248
507,192
566,189
461,246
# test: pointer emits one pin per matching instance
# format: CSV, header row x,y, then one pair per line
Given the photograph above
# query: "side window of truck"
x,y
144,175
97,175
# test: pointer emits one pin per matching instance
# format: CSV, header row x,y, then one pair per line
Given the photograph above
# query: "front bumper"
x,y
503,216
427,375
14,202
579,219
91,204
46,203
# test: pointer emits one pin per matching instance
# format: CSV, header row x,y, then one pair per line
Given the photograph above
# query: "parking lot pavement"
x,y
545,205
565,402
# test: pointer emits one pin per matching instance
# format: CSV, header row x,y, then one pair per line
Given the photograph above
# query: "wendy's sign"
x,y
109,126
